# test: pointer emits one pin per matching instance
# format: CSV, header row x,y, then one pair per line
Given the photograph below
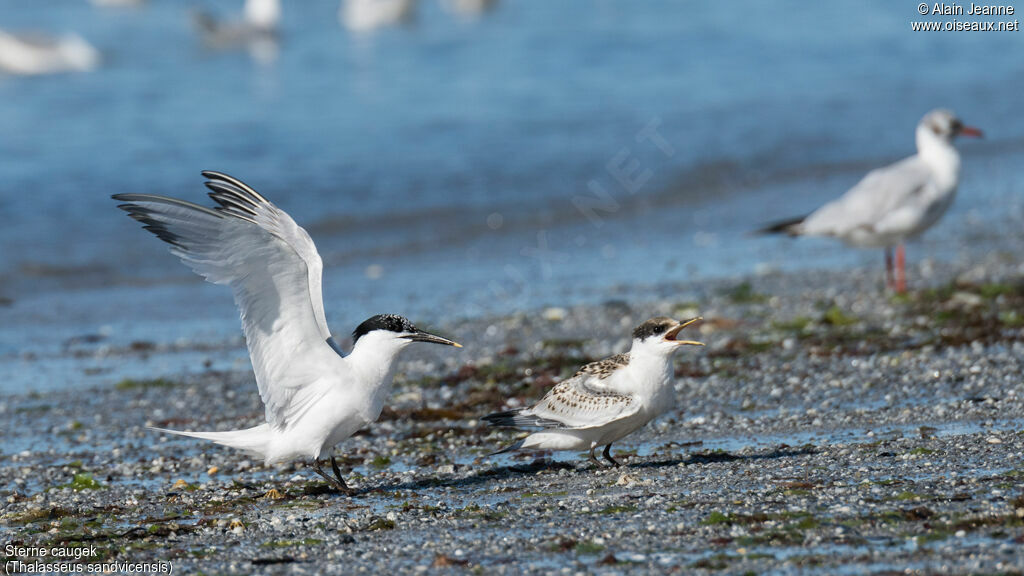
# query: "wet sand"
x,y
826,428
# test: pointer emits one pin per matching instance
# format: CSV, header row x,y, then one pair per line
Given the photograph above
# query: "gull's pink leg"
x,y
889,282
901,270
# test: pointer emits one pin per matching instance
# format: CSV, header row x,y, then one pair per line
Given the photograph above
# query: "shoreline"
x,y
820,428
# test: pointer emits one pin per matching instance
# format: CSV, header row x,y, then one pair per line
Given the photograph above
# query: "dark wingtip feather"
x,y
782,227
506,418
143,215
501,418
241,188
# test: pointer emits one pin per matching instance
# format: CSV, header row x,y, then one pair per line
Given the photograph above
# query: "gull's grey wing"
x,y
274,270
883,192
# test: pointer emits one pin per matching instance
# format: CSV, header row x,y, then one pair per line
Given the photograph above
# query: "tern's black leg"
x,y
337,482
608,455
594,459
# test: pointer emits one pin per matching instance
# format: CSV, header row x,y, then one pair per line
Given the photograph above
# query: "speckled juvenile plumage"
x,y
604,400
604,368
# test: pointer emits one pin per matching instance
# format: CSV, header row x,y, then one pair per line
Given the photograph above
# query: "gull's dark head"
x,y
945,125
662,334
397,330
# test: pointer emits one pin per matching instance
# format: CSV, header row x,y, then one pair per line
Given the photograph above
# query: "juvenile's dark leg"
x,y
608,455
594,458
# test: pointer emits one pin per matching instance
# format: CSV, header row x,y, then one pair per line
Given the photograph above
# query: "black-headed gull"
x,y
895,203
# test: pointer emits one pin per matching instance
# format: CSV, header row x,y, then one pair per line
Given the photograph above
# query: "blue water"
x,y
436,164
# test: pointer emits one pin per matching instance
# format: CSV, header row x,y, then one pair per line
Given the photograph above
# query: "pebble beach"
x,y
821,430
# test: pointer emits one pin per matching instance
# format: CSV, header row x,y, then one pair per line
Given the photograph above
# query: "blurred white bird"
x,y
31,54
895,203
365,15
605,400
314,396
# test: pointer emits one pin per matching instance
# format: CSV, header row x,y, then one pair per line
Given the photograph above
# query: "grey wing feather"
x,y
577,403
271,265
881,192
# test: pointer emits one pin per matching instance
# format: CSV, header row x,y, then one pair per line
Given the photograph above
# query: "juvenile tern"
x,y
606,400
897,202
314,396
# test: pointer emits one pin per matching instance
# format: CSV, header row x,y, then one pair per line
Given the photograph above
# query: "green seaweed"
x,y
588,547
834,316
82,481
132,384
743,293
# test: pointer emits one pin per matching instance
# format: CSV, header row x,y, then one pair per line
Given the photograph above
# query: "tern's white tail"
x,y
251,440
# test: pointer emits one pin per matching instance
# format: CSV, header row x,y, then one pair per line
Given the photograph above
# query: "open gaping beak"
x,y
972,132
421,336
670,336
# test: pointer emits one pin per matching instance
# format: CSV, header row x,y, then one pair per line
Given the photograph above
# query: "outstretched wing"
x,y
880,195
274,270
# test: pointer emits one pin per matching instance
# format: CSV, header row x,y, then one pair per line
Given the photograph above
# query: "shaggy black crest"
x,y
389,322
653,327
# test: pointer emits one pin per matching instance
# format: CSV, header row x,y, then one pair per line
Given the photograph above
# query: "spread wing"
x,y
880,201
274,270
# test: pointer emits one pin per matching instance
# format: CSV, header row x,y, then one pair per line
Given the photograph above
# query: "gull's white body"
x,y
32,55
894,203
314,397
643,390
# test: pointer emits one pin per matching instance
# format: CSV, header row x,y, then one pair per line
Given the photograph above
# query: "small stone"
x,y
554,314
